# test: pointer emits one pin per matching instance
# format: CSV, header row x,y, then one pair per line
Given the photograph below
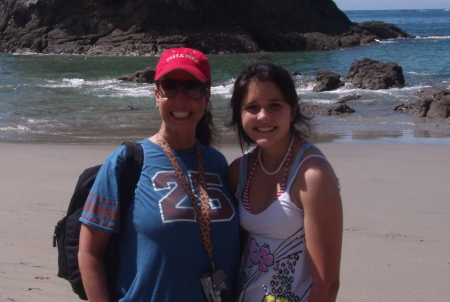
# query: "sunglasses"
x,y
193,89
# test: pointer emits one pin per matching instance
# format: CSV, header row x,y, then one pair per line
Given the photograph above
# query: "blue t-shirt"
x,y
162,252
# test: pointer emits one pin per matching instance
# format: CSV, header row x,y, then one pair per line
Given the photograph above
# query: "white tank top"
x,y
274,263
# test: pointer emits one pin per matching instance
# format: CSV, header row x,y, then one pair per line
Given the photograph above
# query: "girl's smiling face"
x,y
266,116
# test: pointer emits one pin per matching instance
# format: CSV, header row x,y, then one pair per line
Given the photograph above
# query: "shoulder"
x,y
112,166
214,155
117,155
313,160
211,151
316,178
235,166
233,174
316,169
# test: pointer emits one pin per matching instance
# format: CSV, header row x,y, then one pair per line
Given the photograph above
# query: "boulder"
x,y
417,108
348,97
144,76
433,92
341,109
327,80
440,101
372,74
439,108
127,108
434,103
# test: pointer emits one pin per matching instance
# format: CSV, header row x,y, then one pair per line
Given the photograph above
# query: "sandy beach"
x,y
396,227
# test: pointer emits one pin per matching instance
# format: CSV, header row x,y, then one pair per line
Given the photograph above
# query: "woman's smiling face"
x,y
181,110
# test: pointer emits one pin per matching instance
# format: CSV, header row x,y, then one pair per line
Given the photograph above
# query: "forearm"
x,y
94,278
325,291
324,260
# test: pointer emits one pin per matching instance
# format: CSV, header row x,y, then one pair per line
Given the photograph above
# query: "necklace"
x,y
281,164
202,211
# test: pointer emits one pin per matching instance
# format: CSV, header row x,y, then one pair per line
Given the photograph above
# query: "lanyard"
x,y
202,212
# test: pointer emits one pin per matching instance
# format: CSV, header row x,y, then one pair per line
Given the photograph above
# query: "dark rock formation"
x,y
417,108
136,27
341,109
434,92
381,29
434,104
327,80
127,108
349,97
144,76
371,74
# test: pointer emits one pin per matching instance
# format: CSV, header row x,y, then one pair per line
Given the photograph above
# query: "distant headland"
x,y
139,28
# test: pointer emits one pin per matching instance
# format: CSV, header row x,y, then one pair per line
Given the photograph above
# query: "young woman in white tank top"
x,y
289,202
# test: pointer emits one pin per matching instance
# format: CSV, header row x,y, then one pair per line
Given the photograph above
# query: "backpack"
x,y
67,230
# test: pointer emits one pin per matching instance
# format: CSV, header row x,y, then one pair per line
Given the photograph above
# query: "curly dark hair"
x,y
278,75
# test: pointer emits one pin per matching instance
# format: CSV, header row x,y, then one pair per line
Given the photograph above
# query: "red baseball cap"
x,y
188,59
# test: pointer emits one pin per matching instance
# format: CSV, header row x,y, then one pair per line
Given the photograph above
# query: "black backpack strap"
x,y
134,158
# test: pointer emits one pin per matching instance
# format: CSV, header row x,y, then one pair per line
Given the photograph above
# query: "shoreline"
x,y
396,217
227,138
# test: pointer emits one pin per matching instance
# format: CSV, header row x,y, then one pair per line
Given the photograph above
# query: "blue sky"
x,y
391,4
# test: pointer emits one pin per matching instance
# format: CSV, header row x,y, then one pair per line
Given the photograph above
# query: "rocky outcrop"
x,y
434,103
144,76
364,74
371,74
341,109
349,97
327,80
135,27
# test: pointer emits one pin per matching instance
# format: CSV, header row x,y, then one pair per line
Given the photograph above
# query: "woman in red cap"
x,y
179,240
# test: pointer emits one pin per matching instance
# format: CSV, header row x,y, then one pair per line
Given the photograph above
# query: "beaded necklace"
x,y
245,192
282,162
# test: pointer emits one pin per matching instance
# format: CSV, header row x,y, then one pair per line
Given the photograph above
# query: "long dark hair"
x,y
278,75
206,131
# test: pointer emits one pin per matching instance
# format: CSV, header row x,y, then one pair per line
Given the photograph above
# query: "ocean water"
x,y
76,99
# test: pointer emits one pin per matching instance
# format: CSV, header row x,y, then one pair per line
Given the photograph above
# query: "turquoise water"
x,y
79,99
